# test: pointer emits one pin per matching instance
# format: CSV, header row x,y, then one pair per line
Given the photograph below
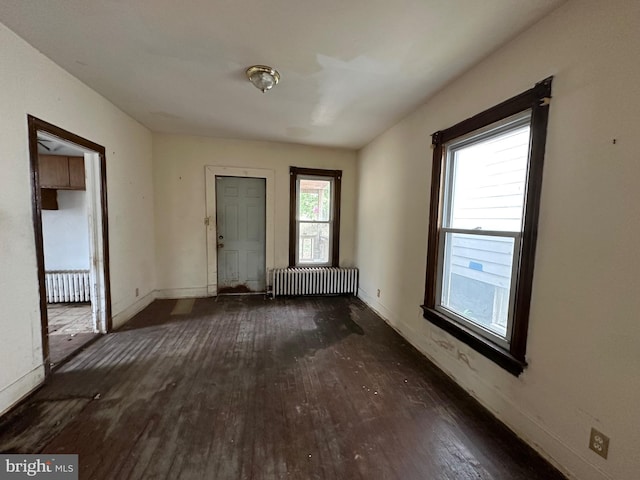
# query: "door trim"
x,y
210,221
34,126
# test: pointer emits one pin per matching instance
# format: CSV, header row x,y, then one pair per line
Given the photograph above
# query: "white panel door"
x,y
240,227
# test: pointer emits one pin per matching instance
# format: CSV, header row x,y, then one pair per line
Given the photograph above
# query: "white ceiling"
x,y
349,68
51,145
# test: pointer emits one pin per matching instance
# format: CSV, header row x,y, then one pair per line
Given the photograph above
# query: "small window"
x,y
485,197
314,217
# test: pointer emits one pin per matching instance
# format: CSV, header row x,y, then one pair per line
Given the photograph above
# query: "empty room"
x,y
330,240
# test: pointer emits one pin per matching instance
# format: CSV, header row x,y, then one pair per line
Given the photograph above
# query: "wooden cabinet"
x,y
54,171
49,199
76,173
61,173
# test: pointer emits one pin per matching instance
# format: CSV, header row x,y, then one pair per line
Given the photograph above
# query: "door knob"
x,y
220,245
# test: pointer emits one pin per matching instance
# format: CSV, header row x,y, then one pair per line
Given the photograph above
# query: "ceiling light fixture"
x,y
263,77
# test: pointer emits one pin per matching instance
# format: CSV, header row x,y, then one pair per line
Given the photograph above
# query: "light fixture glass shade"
x,y
263,77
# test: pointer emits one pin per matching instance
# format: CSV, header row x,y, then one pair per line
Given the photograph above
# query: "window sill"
x,y
496,354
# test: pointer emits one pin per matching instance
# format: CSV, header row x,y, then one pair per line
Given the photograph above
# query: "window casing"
x,y
314,218
485,193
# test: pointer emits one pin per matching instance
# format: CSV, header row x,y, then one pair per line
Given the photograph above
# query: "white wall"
x,y
583,353
32,84
179,180
66,232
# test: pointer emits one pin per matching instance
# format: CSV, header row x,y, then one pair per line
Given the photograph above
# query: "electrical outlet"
x,y
378,293
599,443
137,292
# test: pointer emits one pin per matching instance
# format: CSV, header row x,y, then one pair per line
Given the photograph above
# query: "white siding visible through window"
x,y
485,199
487,182
488,194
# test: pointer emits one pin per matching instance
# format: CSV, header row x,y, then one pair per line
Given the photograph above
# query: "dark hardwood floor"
x,y
70,329
250,388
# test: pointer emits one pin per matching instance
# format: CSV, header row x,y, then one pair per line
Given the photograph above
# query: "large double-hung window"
x,y
480,237
485,196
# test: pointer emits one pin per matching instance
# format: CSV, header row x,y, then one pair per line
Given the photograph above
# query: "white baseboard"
x,y
128,313
125,315
564,457
373,303
12,394
193,292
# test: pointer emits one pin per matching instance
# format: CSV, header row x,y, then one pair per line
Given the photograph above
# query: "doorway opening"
x,y
70,224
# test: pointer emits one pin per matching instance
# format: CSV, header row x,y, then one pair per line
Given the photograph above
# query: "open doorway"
x,y
69,202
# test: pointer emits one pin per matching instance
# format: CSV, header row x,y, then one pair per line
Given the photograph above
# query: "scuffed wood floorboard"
x,y
251,388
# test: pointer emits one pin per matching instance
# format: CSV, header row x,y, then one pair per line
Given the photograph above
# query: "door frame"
x,y
211,172
99,225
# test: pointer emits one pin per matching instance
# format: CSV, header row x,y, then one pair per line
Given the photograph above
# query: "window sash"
x,y
496,129
484,134
499,127
468,323
330,222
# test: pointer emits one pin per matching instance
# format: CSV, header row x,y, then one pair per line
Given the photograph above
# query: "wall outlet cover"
x,y
599,443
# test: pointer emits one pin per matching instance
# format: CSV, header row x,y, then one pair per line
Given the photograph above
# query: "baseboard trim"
x,y
373,303
13,394
132,310
192,292
574,467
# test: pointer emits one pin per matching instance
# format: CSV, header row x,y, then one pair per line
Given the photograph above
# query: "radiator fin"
x,y
67,286
314,281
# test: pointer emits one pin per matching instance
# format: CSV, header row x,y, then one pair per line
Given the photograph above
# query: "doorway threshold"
x,y
70,329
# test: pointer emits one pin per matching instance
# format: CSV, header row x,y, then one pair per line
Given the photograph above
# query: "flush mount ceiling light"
x,y
263,77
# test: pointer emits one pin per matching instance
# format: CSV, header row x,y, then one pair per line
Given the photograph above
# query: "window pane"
x,y
314,200
488,184
476,279
313,243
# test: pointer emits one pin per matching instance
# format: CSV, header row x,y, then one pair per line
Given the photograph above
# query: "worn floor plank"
x,y
249,388
70,328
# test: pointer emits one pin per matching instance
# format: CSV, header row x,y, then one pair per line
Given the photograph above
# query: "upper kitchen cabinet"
x,y
61,172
